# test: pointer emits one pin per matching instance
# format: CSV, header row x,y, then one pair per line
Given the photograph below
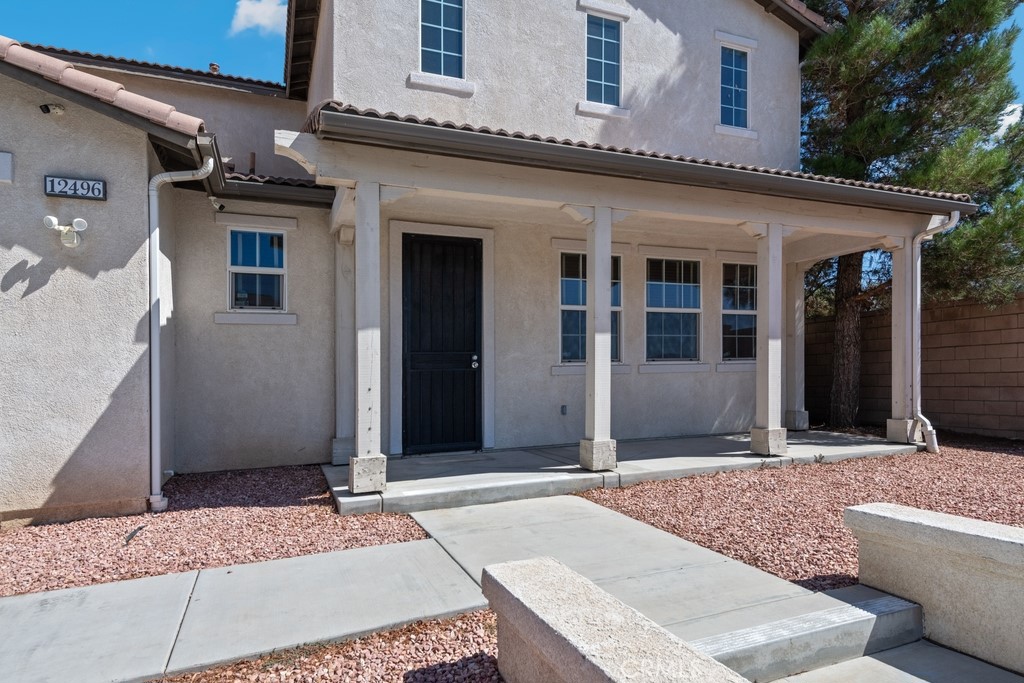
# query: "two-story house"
x,y
459,225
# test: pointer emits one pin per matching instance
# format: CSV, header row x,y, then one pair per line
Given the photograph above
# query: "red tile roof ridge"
x,y
170,68
103,89
312,124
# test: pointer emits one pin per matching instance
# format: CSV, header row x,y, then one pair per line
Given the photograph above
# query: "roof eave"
x,y
407,136
155,130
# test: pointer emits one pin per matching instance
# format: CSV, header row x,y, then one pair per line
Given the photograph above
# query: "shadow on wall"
x,y
92,257
668,93
107,472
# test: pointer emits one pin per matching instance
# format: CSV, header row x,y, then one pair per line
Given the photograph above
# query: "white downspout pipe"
x,y
931,441
157,501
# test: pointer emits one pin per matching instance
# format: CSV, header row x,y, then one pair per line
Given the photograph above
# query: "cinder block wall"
x,y
972,368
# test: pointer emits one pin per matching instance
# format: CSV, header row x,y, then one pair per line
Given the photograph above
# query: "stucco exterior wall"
x,y
528,67
321,81
73,322
252,395
648,399
243,122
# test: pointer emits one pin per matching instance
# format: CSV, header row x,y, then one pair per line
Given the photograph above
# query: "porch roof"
x,y
341,122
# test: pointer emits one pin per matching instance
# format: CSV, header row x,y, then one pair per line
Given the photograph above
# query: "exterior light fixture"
x,y
68,233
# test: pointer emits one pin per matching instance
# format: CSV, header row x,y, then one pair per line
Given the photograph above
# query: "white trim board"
x,y
396,229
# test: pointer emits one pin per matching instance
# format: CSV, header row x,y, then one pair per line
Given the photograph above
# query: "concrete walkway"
x,y
430,482
756,623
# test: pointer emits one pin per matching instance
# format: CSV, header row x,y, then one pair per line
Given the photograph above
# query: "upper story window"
x,y
441,45
673,310
573,287
256,270
734,87
739,311
604,42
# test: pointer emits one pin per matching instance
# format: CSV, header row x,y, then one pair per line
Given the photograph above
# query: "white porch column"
x,y
344,445
768,436
367,469
900,428
796,413
597,448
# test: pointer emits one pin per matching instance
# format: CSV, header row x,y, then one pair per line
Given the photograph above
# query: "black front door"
x,y
441,314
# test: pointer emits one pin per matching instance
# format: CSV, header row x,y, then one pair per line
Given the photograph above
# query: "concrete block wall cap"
x,y
49,67
89,84
5,45
587,634
961,535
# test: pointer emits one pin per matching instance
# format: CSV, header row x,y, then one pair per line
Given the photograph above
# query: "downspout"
x,y
930,439
157,502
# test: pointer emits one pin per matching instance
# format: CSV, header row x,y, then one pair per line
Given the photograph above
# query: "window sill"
x,y
581,369
673,367
737,366
443,84
600,111
255,318
736,132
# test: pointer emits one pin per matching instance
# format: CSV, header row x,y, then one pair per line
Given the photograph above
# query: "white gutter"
x,y
157,501
930,439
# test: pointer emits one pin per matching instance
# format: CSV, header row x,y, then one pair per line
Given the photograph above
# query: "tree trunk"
x,y
846,351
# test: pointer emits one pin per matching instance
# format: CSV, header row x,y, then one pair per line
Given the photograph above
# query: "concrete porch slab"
x,y
460,479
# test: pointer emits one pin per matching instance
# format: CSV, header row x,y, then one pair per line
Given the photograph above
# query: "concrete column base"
x,y
798,420
342,449
902,431
597,455
768,441
367,474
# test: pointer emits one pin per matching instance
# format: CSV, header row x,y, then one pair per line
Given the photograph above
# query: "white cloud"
x,y
268,16
1010,117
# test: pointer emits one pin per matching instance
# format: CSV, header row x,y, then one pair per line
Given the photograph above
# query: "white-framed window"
x,y
441,37
604,60
739,311
573,307
256,270
734,87
673,310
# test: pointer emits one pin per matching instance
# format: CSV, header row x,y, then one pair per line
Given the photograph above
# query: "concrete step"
x,y
920,662
816,639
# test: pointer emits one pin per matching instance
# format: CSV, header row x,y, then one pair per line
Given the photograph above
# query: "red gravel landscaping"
x,y
213,520
789,521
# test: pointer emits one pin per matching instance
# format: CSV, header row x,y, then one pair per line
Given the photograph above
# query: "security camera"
x,y
216,204
55,109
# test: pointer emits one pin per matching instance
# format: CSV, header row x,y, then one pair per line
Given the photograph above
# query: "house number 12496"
x,y
75,187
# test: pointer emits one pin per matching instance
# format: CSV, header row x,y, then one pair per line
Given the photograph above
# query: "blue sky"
x,y
246,37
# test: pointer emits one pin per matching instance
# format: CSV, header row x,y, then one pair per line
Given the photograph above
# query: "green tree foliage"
x,y
913,92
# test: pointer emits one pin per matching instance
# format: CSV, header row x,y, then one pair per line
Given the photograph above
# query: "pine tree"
x,y
912,92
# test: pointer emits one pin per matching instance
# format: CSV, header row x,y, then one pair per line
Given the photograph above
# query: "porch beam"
x,y
597,449
797,418
343,214
367,468
900,426
768,436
